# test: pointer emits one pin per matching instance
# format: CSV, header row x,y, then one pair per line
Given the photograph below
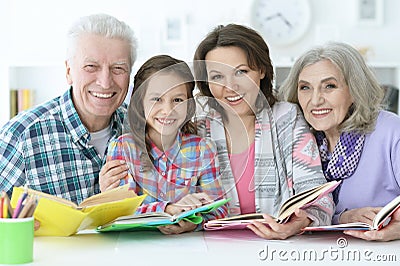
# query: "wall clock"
x,y
281,22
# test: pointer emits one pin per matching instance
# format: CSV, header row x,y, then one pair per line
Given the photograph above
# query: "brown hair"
x,y
251,43
136,115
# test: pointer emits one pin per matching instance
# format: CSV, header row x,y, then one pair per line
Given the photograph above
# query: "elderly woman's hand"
x,y
276,230
364,215
390,232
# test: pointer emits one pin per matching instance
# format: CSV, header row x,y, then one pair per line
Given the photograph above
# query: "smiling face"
x,y
324,97
99,74
165,106
232,82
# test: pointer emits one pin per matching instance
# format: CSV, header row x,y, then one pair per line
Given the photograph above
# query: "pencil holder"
x,y
16,240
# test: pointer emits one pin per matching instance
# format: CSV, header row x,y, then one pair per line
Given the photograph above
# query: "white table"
x,y
211,248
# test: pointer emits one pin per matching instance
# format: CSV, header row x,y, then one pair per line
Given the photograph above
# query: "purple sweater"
x,y
376,180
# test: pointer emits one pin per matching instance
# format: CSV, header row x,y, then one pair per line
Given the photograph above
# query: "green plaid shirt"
x,y
48,148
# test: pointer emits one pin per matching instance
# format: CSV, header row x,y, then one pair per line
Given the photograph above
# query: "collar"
x,y
171,153
74,124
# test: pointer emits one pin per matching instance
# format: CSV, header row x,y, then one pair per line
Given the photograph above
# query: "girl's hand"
x,y
111,174
181,227
390,232
274,230
364,215
188,202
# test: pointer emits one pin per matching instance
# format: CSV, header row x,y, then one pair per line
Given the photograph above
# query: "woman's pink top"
x,y
242,165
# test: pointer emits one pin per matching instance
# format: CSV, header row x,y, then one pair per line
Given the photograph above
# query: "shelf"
x,y
47,82
5,95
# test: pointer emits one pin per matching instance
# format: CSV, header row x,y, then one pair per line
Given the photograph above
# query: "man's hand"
x,y
36,225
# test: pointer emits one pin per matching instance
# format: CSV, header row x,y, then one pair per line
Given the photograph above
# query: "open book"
x,y
61,217
149,221
379,221
300,200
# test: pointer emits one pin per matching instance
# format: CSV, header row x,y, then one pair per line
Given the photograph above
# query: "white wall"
x,y
35,32
38,27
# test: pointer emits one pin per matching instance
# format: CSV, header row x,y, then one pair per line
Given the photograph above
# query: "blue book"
x,y
151,220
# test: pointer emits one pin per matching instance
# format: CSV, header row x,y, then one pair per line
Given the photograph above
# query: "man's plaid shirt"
x,y
48,148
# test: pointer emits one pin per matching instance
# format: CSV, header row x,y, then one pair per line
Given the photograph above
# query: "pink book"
x,y
301,200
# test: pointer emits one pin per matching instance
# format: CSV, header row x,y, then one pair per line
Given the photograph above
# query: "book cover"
x,y
13,103
149,221
379,221
60,217
300,200
24,99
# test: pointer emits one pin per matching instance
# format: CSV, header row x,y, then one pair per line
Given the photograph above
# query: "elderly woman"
x,y
359,143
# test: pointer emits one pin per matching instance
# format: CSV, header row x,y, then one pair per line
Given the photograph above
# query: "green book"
x,y
150,221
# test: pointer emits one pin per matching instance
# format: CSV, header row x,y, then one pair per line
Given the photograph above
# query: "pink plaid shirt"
x,y
189,166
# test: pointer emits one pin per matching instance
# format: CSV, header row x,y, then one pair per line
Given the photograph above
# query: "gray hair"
x,y
104,25
363,85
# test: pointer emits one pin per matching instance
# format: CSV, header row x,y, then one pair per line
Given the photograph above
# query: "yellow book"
x,y
27,99
13,103
61,217
24,99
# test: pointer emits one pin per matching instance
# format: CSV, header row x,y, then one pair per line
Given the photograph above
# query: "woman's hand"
x,y
274,230
390,232
111,174
364,215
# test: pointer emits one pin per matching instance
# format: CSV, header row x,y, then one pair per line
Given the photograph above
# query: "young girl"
x,y
175,168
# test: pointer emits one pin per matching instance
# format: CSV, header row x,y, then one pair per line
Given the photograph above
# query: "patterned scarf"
x,y
342,163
